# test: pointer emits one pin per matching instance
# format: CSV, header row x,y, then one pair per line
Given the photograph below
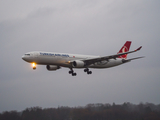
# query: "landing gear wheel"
x,y
89,72
70,72
86,70
34,68
74,74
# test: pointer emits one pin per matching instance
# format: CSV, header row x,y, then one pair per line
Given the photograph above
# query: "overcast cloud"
x,y
94,27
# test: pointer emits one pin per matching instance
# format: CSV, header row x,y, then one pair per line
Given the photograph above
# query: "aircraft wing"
x,y
99,59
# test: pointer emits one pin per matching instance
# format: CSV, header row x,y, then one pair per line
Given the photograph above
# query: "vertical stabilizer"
x,y
125,48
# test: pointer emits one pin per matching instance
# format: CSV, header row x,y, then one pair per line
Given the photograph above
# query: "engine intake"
x,y
78,64
52,67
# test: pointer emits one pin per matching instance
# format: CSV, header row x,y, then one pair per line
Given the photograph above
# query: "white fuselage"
x,y
64,59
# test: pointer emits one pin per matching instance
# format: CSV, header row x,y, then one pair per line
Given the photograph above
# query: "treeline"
x,y
126,111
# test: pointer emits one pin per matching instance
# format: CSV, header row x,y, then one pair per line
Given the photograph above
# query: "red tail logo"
x,y
125,48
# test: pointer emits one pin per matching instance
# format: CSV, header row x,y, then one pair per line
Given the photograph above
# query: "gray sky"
x,y
94,27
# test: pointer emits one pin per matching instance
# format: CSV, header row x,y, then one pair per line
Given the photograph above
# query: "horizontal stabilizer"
x,y
132,59
138,48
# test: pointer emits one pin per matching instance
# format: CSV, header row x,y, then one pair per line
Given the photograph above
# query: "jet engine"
x,y
52,67
78,64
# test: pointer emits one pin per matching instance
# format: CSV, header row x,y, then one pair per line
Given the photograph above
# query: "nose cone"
x,y
24,58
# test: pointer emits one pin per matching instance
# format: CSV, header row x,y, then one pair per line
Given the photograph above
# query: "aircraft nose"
x,y
23,57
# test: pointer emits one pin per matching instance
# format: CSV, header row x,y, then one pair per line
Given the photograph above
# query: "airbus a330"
x,y
55,61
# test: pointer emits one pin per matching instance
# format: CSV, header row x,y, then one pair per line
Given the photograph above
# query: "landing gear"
x,y
87,70
72,72
34,68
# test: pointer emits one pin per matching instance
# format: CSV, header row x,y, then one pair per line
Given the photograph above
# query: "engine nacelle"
x,y
78,64
52,67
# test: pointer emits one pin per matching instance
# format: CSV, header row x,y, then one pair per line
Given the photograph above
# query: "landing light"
x,y
34,65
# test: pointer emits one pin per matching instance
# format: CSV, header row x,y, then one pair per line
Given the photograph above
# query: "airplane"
x,y
55,61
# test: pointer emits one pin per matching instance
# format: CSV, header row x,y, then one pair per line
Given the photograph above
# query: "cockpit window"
x,y
27,54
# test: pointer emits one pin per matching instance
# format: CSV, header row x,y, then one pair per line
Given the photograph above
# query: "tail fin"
x,y
125,48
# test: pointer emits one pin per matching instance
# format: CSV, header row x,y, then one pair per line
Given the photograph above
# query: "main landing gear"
x,y
87,70
72,72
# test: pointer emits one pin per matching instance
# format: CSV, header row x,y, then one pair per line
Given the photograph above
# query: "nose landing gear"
x,y
34,68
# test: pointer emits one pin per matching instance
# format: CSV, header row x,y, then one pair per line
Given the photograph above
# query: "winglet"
x,y
138,48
